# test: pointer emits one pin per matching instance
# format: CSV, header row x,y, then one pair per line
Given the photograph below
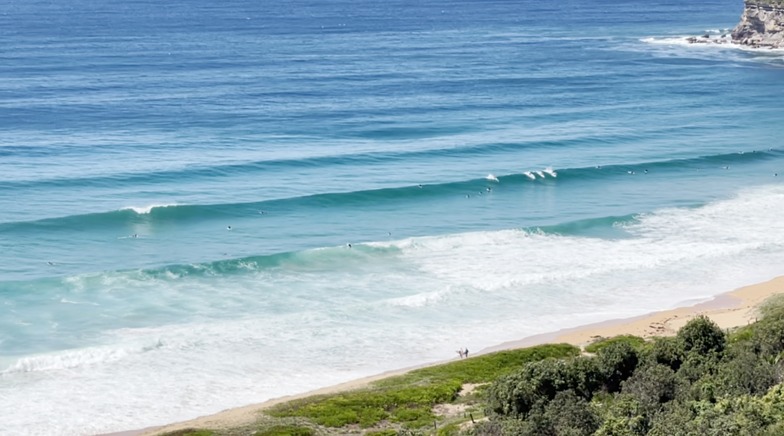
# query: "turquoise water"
x,y
180,183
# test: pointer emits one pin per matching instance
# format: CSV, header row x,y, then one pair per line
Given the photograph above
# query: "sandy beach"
x,y
728,310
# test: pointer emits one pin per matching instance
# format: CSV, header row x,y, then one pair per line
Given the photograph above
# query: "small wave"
x,y
67,301
122,219
145,210
77,358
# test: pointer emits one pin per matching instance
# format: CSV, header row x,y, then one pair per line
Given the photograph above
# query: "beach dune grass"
x,y
407,400
636,342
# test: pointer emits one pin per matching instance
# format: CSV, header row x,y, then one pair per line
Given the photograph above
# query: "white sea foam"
x,y
529,174
76,358
224,341
144,210
491,178
550,171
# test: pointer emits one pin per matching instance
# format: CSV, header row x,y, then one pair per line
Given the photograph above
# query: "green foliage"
x,y
623,417
452,429
539,382
636,342
569,414
484,368
701,335
617,362
382,433
652,386
746,373
285,430
189,432
409,398
665,351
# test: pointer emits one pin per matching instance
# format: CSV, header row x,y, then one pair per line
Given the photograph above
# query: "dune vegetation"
x,y
703,381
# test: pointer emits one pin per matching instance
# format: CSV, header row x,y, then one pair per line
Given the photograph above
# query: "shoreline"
x,y
730,309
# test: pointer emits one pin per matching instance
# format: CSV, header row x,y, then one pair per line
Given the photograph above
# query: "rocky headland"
x,y
761,26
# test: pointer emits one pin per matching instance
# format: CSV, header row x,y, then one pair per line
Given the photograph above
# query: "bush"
x,y
746,373
516,394
623,417
285,430
652,386
702,336
409,398
617,362
585,375
569,414
665,351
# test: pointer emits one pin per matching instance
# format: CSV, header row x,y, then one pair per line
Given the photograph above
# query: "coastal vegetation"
x,y
703,381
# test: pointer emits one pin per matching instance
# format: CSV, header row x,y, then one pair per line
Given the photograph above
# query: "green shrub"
x,y
623,417
586,376
539,382
746,373
190,432
665,351
409,398
285,430
617,362
651,386
701,335
569,414
382,433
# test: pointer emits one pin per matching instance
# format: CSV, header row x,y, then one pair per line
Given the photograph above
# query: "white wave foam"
x,y
724,41
144,210
551,172
540,174
77,358
67,301
529,174
248,333
492,178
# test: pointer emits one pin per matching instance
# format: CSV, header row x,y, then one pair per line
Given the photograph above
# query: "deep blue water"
x,y
179,184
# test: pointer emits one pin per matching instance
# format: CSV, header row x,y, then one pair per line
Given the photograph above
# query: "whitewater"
x,y
204,206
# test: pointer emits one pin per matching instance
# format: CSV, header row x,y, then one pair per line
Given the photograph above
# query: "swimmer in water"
x,y
228,227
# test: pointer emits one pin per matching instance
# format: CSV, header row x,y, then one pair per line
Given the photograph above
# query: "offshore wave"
x,y
200,212
333,160
234,169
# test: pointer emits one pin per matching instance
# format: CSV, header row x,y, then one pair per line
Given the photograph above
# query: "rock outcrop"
x,y
761,25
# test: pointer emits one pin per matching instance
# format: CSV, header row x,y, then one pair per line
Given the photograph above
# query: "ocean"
x,y
209,204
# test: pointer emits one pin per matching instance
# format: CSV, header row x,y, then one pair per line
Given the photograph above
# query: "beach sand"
x,y
733,309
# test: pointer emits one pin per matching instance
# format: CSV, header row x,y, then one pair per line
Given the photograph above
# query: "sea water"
x,y
208,204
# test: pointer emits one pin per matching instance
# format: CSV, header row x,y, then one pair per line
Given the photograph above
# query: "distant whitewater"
x,y
203,207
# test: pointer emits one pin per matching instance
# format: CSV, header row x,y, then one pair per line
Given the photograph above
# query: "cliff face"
x,y
761,25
